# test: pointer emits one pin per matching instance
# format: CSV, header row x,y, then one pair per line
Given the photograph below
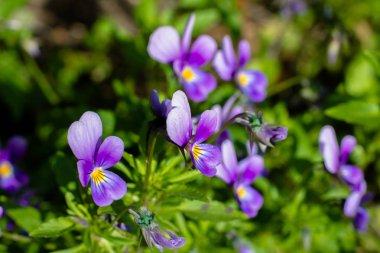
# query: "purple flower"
x,y
11,178
153,234
165,46
335,158
160,109
95,157
241,175
253,83
293,8
205,157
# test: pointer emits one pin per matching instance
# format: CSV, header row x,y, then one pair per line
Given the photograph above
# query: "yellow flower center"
x,y
197,151
188,74
97,175
240,192
243,79
5,169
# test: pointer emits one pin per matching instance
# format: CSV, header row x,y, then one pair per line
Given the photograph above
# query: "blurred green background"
x,y
59,58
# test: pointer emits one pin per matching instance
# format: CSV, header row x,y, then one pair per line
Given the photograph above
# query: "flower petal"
x,y
352,203
202,84
180,100
219,120
110,152
206,126
250,200
244,52
230,165
228,51
228,111
202,51
16,147
84,170
163,241
205,158
328,146
361,220
84,136
186,39
110,189
155,103
346,147
351,174
253,83
164,45
250,168
221,67
179,126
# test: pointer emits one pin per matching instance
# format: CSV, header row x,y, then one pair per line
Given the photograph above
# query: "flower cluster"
x,y
165,46
336,162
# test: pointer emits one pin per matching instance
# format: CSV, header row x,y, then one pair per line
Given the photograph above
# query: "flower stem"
x,y
225,125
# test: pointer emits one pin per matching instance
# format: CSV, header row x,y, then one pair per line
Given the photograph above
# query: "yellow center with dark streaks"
x,y
5,169
243,79
240,192
188,74
197,151
97,175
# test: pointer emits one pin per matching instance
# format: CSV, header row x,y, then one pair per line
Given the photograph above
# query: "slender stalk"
x,y
150,150
15,237
225,125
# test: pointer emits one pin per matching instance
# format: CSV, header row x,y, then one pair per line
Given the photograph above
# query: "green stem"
x,y
283,86
15,237
225,125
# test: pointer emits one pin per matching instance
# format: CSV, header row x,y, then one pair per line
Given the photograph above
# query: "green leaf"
x,y
214,211
356,112
185,192
185,177
53,227
27,218
77,249
108,119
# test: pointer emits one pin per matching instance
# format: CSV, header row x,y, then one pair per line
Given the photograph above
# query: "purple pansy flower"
x,y
241,175
253,83
11,178
165,46
95,157
205,157
160,109
153,234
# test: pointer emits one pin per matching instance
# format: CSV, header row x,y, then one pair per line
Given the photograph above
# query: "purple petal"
x,y
219,120
221,67
228,171
206,126
110,189
250,168
110,152
228,51
249,199
84,136
164,45
84,170
352,203
1,212
166,106
186,39
229,111
202,51
351,174
155,103
275,133
328,146
200,85
16,147
179,99
164,242
179,126
346,147
244,52
361,220
206,158
253,83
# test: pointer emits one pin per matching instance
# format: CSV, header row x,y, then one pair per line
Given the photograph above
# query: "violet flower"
x,y
85,140
153,234
165,46
353,208
159,109
205,157
240,176
11,178
253,83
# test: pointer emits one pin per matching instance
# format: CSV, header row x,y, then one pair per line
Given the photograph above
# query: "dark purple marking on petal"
x,y
206,126
206,158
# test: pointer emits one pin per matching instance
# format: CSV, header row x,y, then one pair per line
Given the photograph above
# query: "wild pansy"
x,y
205,157
85,140
159,109
240,176
335,159
11,178
153,234
165,46
265,133
253,83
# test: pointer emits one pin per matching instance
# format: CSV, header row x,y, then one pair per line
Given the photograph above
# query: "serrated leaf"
x,y
27,218
53,227
356,112
214,211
